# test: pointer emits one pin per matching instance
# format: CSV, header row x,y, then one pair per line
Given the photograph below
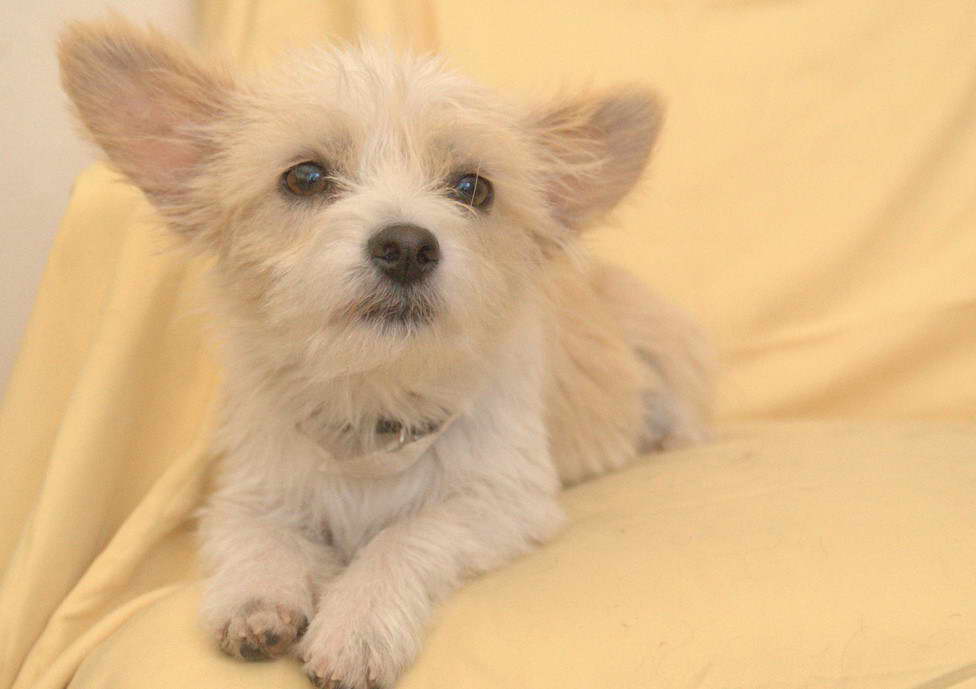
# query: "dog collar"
x,y
398,447
400,435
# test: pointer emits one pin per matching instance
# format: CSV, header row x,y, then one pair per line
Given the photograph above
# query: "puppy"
x,y
417,353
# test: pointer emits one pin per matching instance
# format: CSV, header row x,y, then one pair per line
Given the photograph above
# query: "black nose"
x,y
404,253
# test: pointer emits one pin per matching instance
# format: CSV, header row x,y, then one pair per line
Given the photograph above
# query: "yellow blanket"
x,y
812,201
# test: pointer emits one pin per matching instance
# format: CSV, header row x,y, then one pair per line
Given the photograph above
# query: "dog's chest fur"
x,y
496,429
347,511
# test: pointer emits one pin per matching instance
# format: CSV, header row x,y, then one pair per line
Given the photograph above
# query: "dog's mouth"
x,y
404,309
398,314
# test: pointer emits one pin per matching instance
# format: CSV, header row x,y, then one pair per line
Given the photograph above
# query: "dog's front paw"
x,y
325,678
340,660
355,650
260,630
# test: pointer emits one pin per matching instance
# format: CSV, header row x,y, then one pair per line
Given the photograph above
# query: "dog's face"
x,y
364,204
388,203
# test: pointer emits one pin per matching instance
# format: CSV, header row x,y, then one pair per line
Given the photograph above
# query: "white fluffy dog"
x,y
417,353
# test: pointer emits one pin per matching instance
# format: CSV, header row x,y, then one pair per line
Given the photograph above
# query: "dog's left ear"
x,y
594,149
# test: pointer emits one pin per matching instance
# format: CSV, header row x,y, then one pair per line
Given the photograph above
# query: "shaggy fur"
x,y
543,367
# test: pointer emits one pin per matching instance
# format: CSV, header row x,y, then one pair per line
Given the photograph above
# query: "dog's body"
x,y
417,355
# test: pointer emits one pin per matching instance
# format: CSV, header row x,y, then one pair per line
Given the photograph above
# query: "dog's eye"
x,y
473,190
306,179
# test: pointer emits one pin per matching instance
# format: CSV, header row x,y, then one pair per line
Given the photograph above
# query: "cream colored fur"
x,y
555,368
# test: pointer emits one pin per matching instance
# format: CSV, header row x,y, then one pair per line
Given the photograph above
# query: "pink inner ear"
x,y
150,147
165,160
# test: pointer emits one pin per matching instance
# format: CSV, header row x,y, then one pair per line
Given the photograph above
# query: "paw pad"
x,y
261,631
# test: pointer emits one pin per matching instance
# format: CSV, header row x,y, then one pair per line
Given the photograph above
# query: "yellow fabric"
x,y
811,201
254,31
104,435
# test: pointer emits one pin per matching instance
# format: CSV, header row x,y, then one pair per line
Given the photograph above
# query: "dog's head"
x,y
356,200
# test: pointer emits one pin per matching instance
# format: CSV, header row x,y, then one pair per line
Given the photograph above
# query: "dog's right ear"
x,y
145,101
594,148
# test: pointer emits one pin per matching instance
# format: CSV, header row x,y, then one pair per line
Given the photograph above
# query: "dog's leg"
x,y
264,576
370,622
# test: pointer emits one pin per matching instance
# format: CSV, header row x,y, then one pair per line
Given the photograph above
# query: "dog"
x,y
418,352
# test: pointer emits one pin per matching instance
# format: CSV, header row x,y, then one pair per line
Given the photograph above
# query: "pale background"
x,y
42,153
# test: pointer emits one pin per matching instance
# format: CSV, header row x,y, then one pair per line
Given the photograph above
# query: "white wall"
x,y
40,153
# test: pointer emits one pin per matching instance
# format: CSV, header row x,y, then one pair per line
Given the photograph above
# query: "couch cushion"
x,y
793,556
